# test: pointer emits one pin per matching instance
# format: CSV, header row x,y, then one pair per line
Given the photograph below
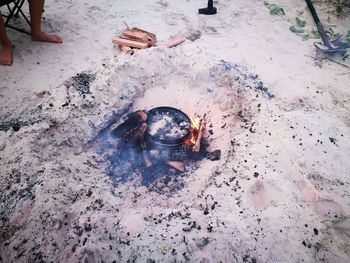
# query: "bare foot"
x,y
6,57
43,37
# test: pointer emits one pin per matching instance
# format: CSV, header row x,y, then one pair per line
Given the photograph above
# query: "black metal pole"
x,y
209,10
318,24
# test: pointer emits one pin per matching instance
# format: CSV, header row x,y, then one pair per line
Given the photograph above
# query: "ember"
x,y
157,144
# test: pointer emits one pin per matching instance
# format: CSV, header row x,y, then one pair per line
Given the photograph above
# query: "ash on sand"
x,y
66,204
126,161
81,82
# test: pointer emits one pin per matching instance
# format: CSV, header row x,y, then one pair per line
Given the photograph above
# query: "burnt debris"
x,y
247,80
81,82
162,145
214,156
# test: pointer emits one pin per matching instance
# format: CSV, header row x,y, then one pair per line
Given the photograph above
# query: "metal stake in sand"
x,y
210,10
330,46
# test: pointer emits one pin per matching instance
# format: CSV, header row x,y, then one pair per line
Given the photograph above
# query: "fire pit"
x,y
157,144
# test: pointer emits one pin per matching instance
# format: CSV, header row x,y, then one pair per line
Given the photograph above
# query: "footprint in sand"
x,y
324,207
164,4
327,208
257,194
310,193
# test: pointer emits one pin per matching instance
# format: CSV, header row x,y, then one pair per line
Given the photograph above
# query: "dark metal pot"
x,y
167,127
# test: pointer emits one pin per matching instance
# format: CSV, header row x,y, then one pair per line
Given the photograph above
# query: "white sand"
x,y
284,168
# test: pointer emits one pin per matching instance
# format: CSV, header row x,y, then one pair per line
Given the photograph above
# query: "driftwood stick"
x,y
330,59
142,114
147,160
129,43
127,27
141,136
339,63
197,146
237,116
143,145
136,134
177,165
136,36
142,130
126,50
172,42
152,38
135,29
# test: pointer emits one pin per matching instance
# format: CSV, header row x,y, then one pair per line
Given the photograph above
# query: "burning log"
x,y
142,114
136,134
158,144
177,165
197,146
130,126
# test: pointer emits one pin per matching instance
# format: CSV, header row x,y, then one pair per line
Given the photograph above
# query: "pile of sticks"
x,y
134,38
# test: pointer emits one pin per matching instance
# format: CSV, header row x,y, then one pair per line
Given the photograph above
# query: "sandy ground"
x,y
279,115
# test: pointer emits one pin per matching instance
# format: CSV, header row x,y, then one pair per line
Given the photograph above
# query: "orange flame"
x,y
194,129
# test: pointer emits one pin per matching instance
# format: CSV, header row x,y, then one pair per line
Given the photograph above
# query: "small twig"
x,y
341,228
341,64
197,146
127,27
177,165
237,116
143,115
334,223
148,162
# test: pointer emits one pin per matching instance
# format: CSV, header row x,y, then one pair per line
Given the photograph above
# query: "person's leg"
x,y
6,50
36,8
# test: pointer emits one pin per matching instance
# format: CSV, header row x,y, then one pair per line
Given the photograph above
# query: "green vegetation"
x,y
296,30
300,23
298,27
339,10
275,9
336,223
331,34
